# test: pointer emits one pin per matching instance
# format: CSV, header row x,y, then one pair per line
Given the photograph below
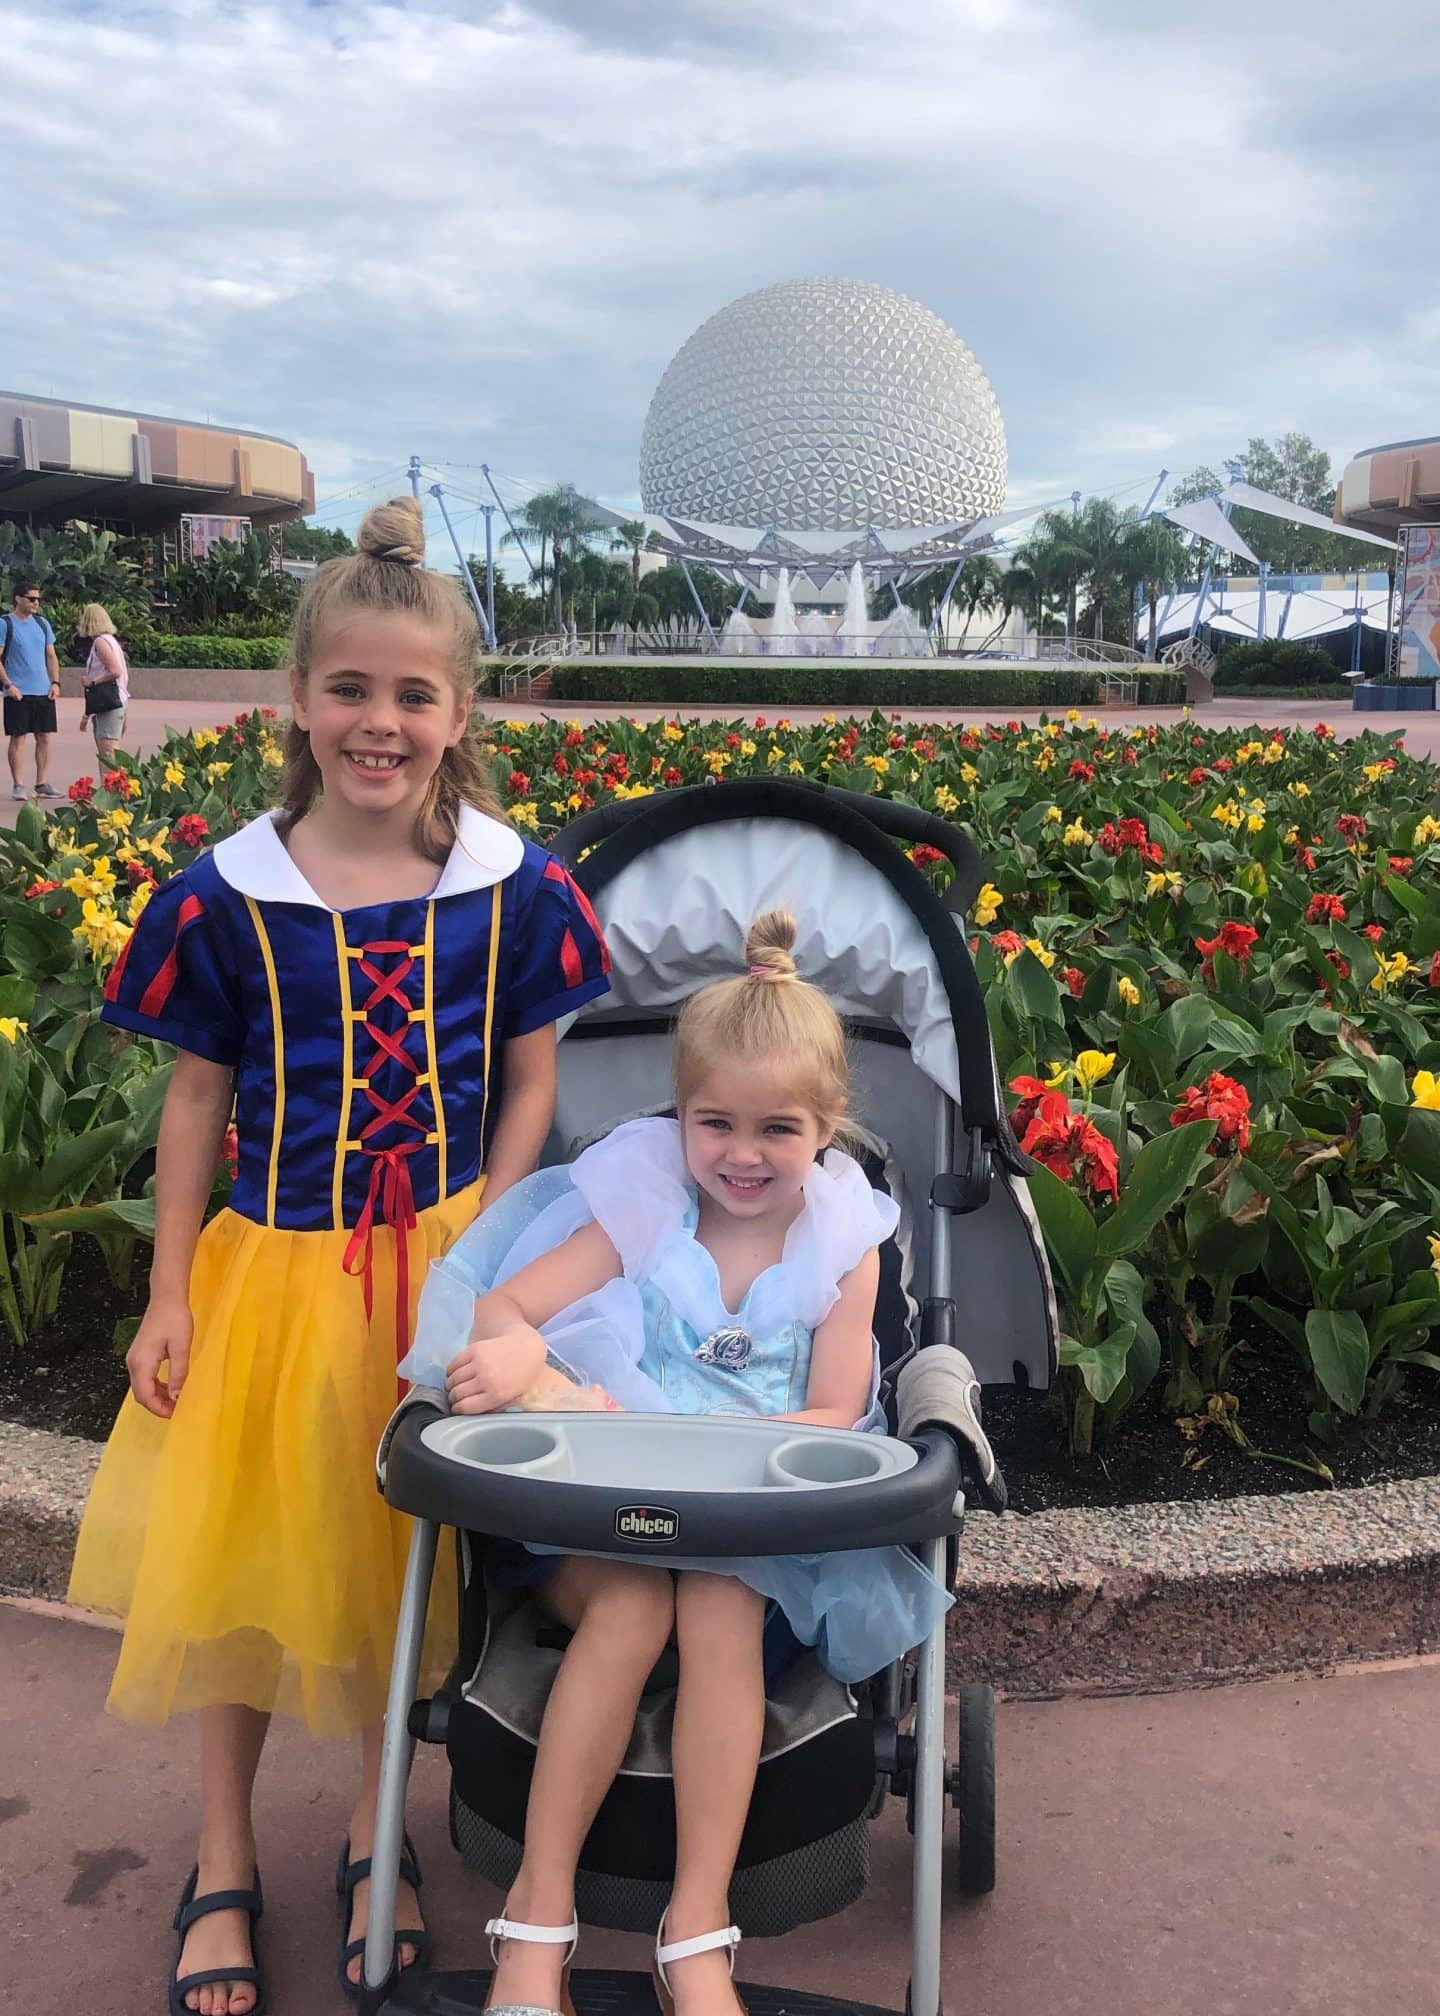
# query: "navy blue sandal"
x,y
347,1875
187,1911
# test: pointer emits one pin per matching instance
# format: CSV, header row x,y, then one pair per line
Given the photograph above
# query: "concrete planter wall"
x,y
1417,696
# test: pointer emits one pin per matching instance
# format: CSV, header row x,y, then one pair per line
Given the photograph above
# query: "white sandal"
x,y
568,1936
686,1949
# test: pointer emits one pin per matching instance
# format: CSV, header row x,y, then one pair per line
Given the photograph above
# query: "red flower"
x,y
1237,941
1304,859
1032,1091
81,789
1070,1146
924,748
759,720
1324,732
671,776
1127,755
1401,864
1074,979
896,741
138,872
43,888
575,737
1007,941
1084,771
269,713
1109,839
732,740
1350,826
1340,963
230,1153
969,739
116,781
1013,728
191,828
560,765
584,779
1199,776
1220,1099
1435,969
519,783
1224,766
1323,907
1374,932
925,857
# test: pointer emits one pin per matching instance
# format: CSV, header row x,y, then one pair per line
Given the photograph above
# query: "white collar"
x,y
255,861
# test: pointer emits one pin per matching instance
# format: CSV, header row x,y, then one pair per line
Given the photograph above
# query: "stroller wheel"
x,y
972,1792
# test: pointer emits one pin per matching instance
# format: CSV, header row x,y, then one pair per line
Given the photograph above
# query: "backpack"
x,y
9,623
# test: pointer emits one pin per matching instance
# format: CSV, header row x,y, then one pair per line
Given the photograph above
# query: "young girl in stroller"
x,y
709,1264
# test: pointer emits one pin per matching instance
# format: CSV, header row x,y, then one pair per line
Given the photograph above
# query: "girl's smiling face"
x,y
381,709
749,1142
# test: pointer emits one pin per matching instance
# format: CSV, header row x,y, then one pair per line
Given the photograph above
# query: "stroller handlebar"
x,y
671,1485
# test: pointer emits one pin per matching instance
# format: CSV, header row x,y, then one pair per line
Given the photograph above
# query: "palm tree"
x,y
1092,541
630,536
979,586
1154,552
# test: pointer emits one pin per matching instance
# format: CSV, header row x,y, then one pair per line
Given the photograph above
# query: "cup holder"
x,y
523,1448
810,1460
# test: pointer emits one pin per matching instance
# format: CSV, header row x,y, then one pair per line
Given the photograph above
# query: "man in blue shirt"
x,y
30,672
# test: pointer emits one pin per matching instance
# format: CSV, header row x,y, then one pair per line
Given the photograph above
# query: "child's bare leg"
x,y
622,1618
231,1740
715,1749
362,1840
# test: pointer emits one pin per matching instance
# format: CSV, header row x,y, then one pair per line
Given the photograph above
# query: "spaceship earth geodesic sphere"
x,y
824,403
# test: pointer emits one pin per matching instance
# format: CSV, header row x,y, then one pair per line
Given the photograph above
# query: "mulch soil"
x,y
71,1379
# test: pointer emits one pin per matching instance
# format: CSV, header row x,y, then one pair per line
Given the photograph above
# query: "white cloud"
x,y
480,230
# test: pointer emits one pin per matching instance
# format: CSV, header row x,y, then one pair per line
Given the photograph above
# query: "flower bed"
x,y
1212,964
838,682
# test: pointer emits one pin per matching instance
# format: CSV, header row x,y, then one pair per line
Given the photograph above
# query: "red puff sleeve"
x,y
560,958
170,983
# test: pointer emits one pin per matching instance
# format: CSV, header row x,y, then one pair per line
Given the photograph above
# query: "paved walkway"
x,y
73,750
1230,1853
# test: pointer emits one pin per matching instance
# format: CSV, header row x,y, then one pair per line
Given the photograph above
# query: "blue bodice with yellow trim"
x,y
366,1042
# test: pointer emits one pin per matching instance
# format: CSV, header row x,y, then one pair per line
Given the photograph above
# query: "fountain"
x,y
854,636
813,634
783,628
740,636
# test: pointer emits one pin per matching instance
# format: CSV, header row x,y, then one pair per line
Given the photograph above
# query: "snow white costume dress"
x,y
660,1340
243,1539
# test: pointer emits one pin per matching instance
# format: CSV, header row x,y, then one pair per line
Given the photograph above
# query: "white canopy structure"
x,y
1296,615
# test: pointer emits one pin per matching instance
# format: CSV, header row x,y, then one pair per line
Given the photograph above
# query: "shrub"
x,y
1269,662
220,654
840,682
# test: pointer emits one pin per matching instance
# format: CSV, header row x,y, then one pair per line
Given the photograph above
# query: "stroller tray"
x,y
598,1993
670,1483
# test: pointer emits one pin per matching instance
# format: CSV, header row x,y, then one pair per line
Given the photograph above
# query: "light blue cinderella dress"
x,y
660,1340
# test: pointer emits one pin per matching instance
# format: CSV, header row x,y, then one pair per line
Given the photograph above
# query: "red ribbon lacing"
x,y
390,1189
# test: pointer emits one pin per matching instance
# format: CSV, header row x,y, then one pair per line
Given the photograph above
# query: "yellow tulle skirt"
x,y
244,1540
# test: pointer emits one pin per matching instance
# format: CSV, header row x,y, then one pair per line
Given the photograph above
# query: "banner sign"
x,y
1420,602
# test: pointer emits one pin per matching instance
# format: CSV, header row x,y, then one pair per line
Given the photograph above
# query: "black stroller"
x,y
675,878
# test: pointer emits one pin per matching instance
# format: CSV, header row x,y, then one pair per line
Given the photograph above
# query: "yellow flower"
x,y
879,764
1433,1242
572,726
1425,1091
99,882
1225,814
1093,1065
774,754
829,720
634,791
1292,836
215,771
517,727
969,774
747,747
174,775
1255,824
947,801
1395,967
795,767
1053,815
1059,1073
1072,713
114,824
717,760
987,904
673,732
1077,834
557,808
1045,957
273,756
1274,753
1375,771
11,1027
1427,830
104,933
1300,788
1127,990
574,801
1157,880
525,814
1045,760
205,738
143,892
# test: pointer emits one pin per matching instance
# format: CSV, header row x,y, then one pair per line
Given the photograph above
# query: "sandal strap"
x,y
359,1872
707,1942
532,1935
248,1977
191,1907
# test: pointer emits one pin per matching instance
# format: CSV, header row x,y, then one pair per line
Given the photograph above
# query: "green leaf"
x,y
1068,1228
133,1215
1418,1149
1288,1325
1161,1173
75,1162
1408,897
1101,1366
1187,1023
1034,989
1339,1347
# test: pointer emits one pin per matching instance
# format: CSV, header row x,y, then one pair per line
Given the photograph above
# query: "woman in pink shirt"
x,y
106,679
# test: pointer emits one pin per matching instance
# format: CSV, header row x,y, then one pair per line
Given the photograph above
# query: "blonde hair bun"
x,y
394,531
769,944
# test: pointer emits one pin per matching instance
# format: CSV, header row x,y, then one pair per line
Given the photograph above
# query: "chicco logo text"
x,y
653,1524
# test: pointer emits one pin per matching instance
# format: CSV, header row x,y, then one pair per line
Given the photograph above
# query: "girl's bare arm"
x,y
506,1351
842,1358
527,1106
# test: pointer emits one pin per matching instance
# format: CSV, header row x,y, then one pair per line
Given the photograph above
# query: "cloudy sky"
x,y
480,229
